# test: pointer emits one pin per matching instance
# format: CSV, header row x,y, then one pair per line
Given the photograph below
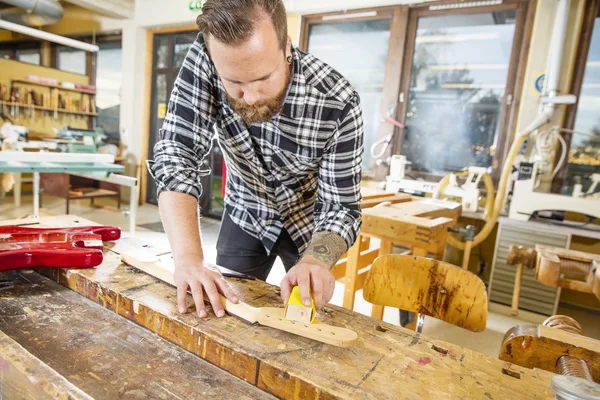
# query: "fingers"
x,y
318,289
286,286
181,297
213,295
331,290
303,277
224,288
198,296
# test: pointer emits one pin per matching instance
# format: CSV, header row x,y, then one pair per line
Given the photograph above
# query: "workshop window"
x,y
71,60
109,80
583,119
459,80
368,35
30,56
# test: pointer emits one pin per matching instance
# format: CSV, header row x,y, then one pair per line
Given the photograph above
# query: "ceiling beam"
x,y
121,9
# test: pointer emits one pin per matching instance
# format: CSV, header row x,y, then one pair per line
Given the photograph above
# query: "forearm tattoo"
x,y
326,247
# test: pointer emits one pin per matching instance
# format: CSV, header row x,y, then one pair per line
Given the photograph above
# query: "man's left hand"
x,y
307,275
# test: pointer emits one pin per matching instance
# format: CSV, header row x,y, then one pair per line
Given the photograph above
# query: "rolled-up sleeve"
x,y
188,129
338,194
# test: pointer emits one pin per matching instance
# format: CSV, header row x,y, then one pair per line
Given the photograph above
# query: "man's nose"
x,y
251,97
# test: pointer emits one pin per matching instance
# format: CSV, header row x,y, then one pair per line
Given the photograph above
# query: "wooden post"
x,y
517,290
521,257
351,274
419,252
467,255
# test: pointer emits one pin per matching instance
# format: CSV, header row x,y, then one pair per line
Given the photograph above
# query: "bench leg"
x,y
351,274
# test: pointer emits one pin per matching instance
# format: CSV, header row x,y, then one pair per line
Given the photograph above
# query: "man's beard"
x,y
261,111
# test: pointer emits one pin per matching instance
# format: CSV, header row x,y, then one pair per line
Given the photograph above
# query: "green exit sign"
x,y
196,5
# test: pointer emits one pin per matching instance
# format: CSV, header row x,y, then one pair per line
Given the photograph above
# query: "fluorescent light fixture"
x,y
472,86
350,16
593,64
456,38
465,5
472,67
36,33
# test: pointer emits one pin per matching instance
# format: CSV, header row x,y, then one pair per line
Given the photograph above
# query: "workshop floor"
x,y
487,342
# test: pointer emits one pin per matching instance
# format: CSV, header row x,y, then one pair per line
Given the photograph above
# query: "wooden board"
x,y
416,223
376,200
388,362
101,354
538,346
163,268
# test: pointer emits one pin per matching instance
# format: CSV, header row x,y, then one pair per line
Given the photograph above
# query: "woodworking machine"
x,y
526,202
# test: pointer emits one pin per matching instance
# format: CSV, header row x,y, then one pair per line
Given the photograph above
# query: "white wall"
x,y
317,6
152,13
132,94
159,13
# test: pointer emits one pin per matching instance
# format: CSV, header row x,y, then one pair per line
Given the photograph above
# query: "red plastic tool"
x,y
78,247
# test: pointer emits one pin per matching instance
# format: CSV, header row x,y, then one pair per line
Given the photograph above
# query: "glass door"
x,y
458,83
170,50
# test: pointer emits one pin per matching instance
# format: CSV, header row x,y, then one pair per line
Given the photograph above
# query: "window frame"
x,y
583,48
14,47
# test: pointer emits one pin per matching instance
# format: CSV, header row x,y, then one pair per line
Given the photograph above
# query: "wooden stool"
x,y
427,287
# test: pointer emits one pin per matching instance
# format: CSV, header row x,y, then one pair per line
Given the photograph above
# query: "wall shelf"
x,y
25,81
40,108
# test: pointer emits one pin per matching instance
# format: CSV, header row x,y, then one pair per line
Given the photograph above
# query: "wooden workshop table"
x,y
388,362
417,223
86,349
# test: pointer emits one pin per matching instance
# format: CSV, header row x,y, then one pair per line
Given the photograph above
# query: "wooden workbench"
x,y
388,362
101,354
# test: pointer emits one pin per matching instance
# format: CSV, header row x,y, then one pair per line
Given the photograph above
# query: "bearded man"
x,y
291,131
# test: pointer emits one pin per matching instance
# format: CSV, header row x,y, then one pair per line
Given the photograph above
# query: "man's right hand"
x,y
205,281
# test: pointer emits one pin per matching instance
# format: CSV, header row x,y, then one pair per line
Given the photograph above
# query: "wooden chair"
x,y
427,287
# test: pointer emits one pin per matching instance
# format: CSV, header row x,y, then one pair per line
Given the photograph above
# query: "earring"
x,y
290,59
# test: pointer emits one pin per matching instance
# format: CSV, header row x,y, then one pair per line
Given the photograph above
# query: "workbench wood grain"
x,y
24,376
388,362
75,349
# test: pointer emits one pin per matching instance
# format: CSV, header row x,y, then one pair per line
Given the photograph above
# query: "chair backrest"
x,y
429,287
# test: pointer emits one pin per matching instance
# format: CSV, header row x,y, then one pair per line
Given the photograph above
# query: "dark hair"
x,y
232,21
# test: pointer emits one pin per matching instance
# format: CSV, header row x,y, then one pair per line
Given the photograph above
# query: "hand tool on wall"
x,y
79,247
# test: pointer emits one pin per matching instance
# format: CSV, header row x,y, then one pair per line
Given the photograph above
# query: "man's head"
x,y
249,45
